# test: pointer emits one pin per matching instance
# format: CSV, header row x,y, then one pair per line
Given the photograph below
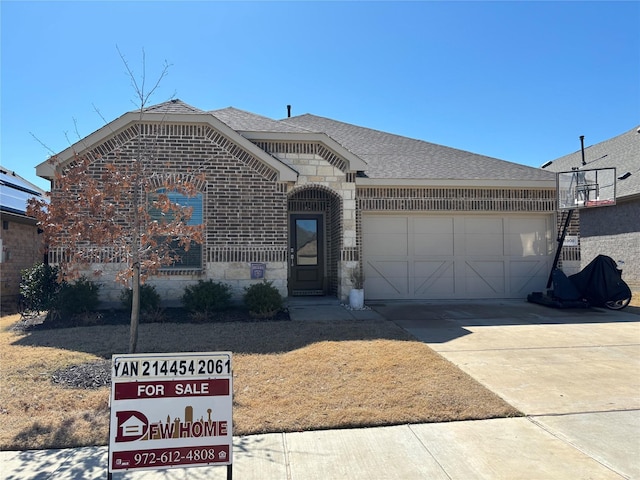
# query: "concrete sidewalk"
x,y
575,374
489,449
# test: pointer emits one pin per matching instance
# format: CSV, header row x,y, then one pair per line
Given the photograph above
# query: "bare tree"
x,y
119,209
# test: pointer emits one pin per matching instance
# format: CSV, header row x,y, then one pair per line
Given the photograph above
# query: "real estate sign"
x,y
170,410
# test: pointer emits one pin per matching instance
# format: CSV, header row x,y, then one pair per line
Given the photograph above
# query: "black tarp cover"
x,y
601,282
563,288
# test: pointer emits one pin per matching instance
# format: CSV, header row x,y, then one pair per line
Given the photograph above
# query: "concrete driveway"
x,y
575,373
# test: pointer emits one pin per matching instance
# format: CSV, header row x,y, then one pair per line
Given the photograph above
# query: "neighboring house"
x,y
611,230
313,199
20,242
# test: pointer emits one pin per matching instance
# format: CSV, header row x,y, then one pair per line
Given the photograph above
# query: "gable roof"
x,y
621,152
172,111
256,127
391,156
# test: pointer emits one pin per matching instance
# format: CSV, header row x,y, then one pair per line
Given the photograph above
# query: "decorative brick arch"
x,y
161,180
321,199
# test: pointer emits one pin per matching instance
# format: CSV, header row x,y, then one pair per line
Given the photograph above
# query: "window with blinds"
x,y
191,258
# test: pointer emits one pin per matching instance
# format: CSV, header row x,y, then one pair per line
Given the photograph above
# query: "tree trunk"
x,y
135,308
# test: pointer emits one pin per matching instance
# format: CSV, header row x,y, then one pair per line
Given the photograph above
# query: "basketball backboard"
x,y
586,188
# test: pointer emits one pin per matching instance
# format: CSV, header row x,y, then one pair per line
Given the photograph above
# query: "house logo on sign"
x,y
132,426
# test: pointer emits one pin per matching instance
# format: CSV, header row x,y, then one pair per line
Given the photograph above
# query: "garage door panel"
x,y
385,224
434,278
483,225
528,275
526,244
483,236
430,224
484,277
386,244
386,236
527,236
433,236
433,244
387,278
456,256
478,245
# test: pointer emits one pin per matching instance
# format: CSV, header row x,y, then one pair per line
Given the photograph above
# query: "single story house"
x,y
20,241
611,230
313,199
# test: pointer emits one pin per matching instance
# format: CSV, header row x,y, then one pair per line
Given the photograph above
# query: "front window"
x,y
191,258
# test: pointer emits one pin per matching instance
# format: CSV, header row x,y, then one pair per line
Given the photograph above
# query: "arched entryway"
x,y
315,239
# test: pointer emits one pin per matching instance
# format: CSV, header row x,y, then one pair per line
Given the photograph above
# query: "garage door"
x,y
457,256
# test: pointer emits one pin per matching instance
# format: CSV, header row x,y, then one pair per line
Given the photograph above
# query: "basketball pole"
x,y
560,243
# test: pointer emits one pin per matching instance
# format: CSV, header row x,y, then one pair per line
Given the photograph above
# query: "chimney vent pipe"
x,y
288,111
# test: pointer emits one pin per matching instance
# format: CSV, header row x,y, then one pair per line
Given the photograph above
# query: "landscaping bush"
x,y
263,300
149,298
39,287
205,298
82,296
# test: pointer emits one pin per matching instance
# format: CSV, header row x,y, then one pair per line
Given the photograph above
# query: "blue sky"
x,y
520,81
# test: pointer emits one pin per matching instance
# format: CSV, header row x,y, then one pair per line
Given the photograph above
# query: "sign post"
x,y
171,410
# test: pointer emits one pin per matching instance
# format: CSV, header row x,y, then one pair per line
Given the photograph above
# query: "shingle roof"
x,y
172,106
243,121
621,152
395,156
388,156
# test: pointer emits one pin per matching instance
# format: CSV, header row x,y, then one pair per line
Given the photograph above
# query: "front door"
x,y
306,254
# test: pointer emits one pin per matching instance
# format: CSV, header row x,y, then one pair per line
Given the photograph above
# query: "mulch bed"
x,y
123,317
91,375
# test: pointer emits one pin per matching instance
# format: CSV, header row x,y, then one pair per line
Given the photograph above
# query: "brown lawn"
x,y
288,376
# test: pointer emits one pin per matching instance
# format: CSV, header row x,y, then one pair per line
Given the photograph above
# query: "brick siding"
x,y
21,248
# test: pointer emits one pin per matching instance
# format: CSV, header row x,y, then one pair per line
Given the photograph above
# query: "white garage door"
x,y
456,256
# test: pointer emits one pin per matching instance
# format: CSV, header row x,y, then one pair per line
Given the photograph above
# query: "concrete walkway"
x,y
575,374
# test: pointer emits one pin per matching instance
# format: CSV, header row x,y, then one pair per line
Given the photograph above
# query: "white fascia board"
x,y
463,183
355,162
46,169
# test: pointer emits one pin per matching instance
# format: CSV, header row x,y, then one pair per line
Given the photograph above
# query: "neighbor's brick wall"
x,y
615,232
21,248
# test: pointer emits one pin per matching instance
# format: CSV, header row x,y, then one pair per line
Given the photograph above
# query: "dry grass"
x,y
288,376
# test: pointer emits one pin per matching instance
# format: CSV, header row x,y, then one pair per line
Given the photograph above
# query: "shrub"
x,y
149,298
263,300
206,297
79,297
39,287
